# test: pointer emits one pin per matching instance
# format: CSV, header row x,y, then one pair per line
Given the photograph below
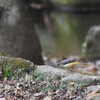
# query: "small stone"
x,y
48,98
33,98
38,94
2,99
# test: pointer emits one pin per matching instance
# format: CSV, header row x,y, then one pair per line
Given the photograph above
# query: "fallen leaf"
x,y
92,95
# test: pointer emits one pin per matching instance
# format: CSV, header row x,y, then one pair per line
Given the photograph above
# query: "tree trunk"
x,y
17,35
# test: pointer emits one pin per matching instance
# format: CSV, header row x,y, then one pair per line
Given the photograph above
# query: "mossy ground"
x,y
15,66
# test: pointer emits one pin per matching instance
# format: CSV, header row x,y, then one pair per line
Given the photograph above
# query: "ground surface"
x,y
47,82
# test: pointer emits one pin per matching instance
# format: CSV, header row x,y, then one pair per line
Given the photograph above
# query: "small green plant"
x,y
48,88
6,70
80,84
38,76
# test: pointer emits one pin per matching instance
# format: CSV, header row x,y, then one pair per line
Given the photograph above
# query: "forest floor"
x,y
68,79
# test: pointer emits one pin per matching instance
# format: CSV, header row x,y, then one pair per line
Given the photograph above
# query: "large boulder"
x,y
17,35
91,46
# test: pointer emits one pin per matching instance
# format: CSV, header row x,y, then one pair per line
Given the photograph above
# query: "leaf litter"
x,y
38,86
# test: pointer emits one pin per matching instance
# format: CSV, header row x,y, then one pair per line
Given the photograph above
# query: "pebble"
x,y
48,98
38,94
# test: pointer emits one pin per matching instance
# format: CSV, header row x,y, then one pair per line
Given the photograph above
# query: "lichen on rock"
x,y
12,66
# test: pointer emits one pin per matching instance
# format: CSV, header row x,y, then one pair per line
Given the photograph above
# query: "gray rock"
x,y
91,46
77,77
66,75
45,69
93,88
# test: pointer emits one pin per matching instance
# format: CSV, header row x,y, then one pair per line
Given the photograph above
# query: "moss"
x,y
19,63
3,53
15,66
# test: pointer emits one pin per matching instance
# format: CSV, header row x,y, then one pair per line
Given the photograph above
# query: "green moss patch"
x,y
15,66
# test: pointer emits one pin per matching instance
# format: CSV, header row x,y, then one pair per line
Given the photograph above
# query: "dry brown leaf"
x,y
71,84
17,92
92,95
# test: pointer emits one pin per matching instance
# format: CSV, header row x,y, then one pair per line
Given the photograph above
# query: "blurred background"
x,y
64,24
56,28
